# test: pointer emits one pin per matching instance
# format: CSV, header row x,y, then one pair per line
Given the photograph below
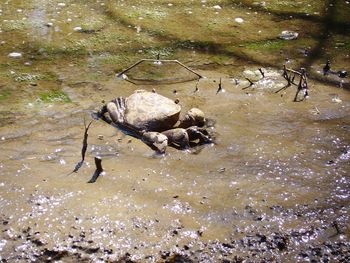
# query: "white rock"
x,y
15,55
77,28
239,20
61,4
49,24
288,35
217,7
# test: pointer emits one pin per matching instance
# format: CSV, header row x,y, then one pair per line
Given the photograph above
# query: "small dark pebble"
x,y
342,74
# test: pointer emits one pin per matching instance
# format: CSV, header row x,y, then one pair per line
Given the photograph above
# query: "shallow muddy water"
x,y
274,185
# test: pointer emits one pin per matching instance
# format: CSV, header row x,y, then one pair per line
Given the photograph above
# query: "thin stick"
x,y
197,89
251,83
220,87
262,72
162,60
84,148
98,171
293,71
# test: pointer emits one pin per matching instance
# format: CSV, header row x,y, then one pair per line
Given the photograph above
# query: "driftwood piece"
x,y
84,148
98,171
290,75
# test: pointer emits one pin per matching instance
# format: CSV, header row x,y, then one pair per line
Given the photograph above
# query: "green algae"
x,y
5,94
54,96
271,44
30,77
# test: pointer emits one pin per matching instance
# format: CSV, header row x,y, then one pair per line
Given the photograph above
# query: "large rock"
x,y
151,111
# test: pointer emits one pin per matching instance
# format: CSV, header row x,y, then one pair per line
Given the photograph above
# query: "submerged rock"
x,y
15,55
239,20
78,29
288,35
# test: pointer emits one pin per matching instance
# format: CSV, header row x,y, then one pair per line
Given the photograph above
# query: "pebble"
x,y
49,24
61,4
217,7
288,35
336,99
15,55
77,28
239,20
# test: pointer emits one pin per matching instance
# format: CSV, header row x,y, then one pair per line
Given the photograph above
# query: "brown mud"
x,y
275,185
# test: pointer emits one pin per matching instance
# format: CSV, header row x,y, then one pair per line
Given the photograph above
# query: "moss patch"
x,y
28,77
5,94
267,44
54,96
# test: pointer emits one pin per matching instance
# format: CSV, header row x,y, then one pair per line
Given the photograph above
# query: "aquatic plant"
x,y
28,77
5,94
54,96
14,25
271,44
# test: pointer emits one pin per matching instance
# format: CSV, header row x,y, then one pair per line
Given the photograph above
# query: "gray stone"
x,y
288,35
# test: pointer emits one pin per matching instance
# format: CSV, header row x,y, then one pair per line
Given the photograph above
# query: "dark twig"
x,y
302,86
262,72
197,89
289,75
84,148
251,83
220,87
98,171
283,88
337,228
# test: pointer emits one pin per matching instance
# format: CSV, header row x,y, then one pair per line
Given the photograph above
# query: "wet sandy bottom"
x,y
274,186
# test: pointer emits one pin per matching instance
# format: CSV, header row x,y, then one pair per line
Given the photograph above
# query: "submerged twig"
x,y
289,75
98,171
84,148
262,72
251,83
302,86
197,89
220,89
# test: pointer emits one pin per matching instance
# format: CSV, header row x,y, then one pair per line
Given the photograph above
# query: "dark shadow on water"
x,y
328,23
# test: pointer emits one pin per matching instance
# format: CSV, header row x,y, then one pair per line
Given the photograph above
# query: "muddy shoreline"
x,y
275,185
325,241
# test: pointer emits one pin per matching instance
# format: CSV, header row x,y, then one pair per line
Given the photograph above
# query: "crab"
x,y
156,120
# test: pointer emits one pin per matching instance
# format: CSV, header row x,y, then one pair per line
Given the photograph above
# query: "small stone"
x,y
239,20
49,24
61,4
288,35
217,7
15,55
340,44
336,99
77,29
342,74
